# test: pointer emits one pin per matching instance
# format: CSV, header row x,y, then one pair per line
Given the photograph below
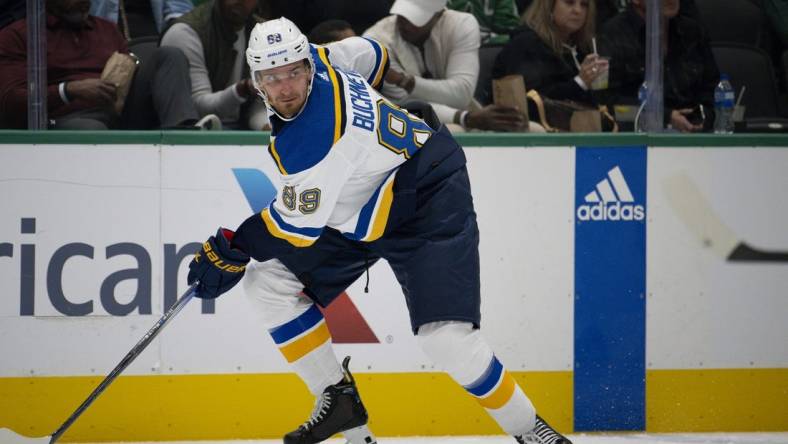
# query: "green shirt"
x,y
497,18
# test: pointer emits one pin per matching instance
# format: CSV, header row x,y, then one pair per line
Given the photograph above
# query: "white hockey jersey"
x,y
338,159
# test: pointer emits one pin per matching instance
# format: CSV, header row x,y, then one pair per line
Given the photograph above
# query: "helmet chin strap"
x,y
273,110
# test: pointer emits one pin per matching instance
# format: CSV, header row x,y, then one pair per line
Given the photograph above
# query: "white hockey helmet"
x,y
275,43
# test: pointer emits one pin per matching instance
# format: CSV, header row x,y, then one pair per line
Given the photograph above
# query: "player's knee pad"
x,y
274,292
456,346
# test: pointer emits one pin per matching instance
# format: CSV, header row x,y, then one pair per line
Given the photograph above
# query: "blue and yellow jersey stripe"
x,y
300,144
296,236
276,157
340,119
375,79
301,335
374,214
494,388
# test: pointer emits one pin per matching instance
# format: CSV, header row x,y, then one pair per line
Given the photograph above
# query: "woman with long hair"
x,y
554,51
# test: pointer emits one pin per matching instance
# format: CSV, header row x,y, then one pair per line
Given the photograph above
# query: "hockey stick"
x,y
7,436
688,202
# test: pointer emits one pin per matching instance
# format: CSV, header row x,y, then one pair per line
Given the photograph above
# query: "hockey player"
x,y
361,180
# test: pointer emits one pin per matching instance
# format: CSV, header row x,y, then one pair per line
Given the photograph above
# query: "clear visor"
x,y
271,77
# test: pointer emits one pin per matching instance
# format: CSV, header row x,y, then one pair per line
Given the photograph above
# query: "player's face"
x,y
285,86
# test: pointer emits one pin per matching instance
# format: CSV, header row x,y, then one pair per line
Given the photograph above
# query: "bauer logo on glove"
x,y
217,266
217,260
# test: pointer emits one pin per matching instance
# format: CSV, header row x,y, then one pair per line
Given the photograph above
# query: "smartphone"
x,y
697,116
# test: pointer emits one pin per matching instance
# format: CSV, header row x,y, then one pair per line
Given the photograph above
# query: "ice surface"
x,y
601,438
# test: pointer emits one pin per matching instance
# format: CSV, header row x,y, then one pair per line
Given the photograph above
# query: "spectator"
x,y
140,17
307,14
607,9
78,47
690,71
214,37
434,56
497,18
329,31
553,51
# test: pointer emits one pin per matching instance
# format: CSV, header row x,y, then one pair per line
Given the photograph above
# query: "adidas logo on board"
x,y
611,200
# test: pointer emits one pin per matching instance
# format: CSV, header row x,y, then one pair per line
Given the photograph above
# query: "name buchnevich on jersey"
x,y
360,102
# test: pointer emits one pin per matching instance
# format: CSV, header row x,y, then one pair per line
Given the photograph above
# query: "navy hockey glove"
x,y
217,266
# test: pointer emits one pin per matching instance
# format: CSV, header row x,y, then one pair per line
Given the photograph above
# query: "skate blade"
x,y
359,435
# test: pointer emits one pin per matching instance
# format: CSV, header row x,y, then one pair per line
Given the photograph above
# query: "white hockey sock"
x,y
305,342
470,361
294,322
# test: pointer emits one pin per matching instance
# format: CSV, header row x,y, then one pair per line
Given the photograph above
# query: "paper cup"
x,y
738,113
600,82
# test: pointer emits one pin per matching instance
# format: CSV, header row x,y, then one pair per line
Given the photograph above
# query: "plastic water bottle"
x,y
724,97
640,121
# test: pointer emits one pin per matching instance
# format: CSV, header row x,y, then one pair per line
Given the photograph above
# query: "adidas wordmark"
x,y
611,200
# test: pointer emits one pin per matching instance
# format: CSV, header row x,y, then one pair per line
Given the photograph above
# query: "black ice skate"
x,y
338,409
542,434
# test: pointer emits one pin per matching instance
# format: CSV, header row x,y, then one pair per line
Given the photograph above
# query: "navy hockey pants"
x,y
433,249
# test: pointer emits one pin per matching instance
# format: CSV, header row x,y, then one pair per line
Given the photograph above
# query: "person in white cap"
x,y
360,180
435,58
